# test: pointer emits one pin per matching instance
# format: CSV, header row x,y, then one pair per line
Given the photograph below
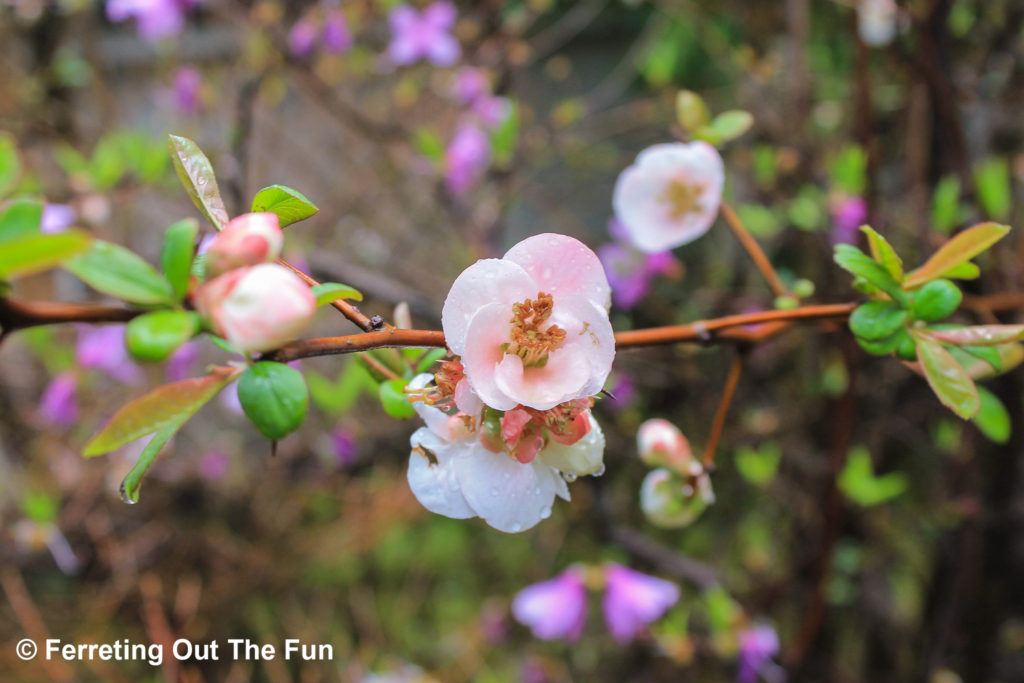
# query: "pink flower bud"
x,y
257,308
247,240
661,444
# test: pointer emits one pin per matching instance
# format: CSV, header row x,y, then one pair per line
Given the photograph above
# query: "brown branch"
x,y
757,254
328,346
723,408
346,309
15,315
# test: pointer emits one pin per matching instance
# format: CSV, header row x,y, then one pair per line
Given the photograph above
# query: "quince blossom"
x,y
670,195
454,472
532,327
245,241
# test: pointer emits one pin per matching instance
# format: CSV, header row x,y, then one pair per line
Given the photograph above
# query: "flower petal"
x,y
434,418
586,456
509,495
563,378
435,484
482,354
488,281
561,265
588,334
556,608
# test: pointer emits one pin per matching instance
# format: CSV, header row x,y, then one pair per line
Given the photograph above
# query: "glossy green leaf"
x,y
177,254
329,291
859,484
10,163
1010,356
948,379
114,270
859,264
961,248
935,300
274,397
993,419
291,206
133,480
876,320
20,218
171,404
979,335
883,347
155,336
196,174
35,253
883,252
989,354
394,399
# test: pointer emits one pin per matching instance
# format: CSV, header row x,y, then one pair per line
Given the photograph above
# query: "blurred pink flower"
x,y
470,84
492,110
57,406
423,35
466,158
661,444
848,214
633,600
336,35
56,218
154,19
187,81
532,327
670,195
302,38
182,362
101,347
344,443
556,608
631,272
757,647
213,465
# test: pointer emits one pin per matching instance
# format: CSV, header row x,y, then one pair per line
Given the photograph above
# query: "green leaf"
x,y
171,404
979,335
35,253
505,138
848,171
883,252
112,269
883,347
964,271
1010,356
274,397
876,320
335,398
133,480
429,358
989,354
20,218
758,466
428,142
10,163
178,251
859,484
948,379
946,204
394,400
291,206
691,111
859,264
730,125
196,174
329,291
155,336
961,248
992,181
936,300
993,419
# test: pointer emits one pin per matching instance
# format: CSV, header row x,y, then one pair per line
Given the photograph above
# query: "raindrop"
x,y
125,498
569,476
600,472
545,513
494,491
537,491
517,527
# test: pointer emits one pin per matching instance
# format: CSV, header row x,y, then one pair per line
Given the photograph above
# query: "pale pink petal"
x,y
590,335
434,418
466,399
633,600
434,483
586,456
488,281
562,379
439,16
443,50
554,609
488,330
509,495
562,265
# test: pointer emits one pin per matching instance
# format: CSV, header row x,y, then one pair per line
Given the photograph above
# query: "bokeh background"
x,y
909,119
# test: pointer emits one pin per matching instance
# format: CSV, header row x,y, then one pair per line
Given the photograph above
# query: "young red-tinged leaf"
x,y
961,248
329,291
35,253
176,256
291,206
980,335
883,252
993,420
948,379
167,405
1010,356
114,270
196,174
132,481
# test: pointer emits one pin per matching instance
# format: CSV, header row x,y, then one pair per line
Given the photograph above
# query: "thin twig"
x,y
723,408
347,309
752,248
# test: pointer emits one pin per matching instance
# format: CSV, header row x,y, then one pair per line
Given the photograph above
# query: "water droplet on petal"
x,y
600,472
517,527
545,513
125,498
494,491
537,491
569,477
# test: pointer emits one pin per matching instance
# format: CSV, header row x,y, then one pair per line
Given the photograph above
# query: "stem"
x,y
377,366
347,309
753,249
18,316
328,346
723,408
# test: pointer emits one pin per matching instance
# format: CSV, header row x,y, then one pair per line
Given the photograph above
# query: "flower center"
x,y
528,339
442,393
681,198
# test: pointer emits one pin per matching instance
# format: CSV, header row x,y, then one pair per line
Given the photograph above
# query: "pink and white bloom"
x,y
670,195
633,600
453,474
532,327
256,308
245,241
556,608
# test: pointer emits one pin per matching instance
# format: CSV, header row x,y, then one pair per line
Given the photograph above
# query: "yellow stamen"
x,y
527,339
682,198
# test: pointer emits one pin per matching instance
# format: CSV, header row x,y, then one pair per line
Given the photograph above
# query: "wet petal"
x,y
509,495
482,354
563,378
435,484
586,456
589,334
562,265
488,281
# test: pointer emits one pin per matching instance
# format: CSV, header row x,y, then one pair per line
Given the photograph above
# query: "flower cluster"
x,y
254,304
678,490
557,608
508,420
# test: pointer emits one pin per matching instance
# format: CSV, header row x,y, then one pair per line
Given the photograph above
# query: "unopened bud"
x,y
245,241
661,444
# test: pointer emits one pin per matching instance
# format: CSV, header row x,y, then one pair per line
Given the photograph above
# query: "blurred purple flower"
x,y
57,406
56,218
492,110
302,38
182,362
154,19
229,399
848,214
466,158
344,443
336,36
213,465
623,389
187,81
633,600
102,348
423,35
555,608
757,647
470,83
631,272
